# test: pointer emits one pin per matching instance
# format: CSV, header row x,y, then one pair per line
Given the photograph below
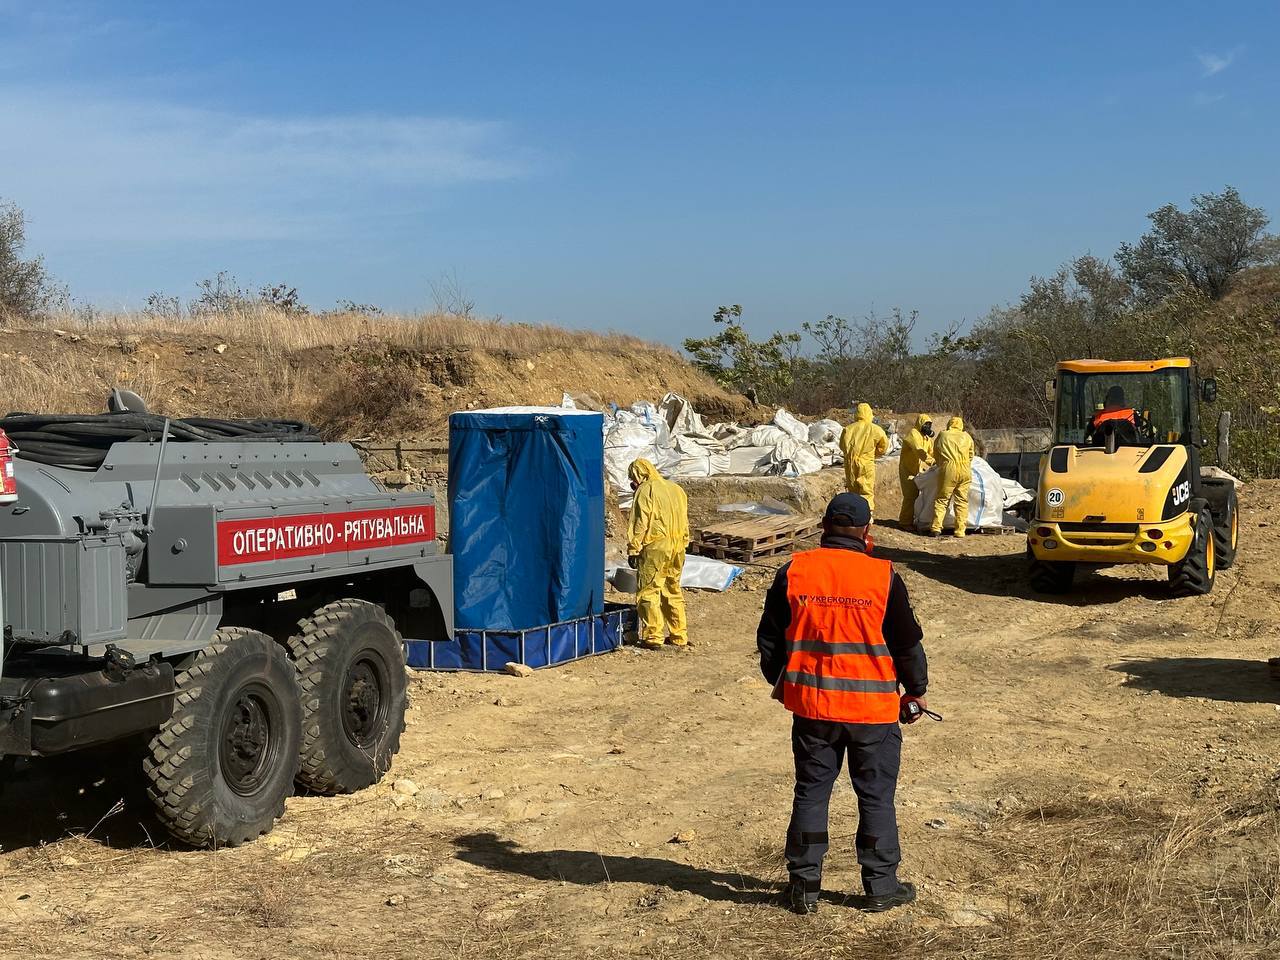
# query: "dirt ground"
x,y
1104,784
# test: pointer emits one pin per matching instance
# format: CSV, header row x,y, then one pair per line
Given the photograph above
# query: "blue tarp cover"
x,y
526,516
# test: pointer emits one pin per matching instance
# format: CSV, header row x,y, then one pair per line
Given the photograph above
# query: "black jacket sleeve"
x,y
902,634
771,635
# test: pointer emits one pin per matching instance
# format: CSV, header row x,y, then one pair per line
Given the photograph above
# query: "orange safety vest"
x,y
1106,416
838,666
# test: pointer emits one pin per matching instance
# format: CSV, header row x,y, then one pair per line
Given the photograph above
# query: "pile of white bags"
x,y
673,436
990,495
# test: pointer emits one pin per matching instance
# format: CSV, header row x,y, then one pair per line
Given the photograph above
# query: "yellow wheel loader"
x,y
1123,481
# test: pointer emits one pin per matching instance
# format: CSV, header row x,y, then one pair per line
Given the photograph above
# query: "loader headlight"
x,y
1044,531
1154,535
1147,547
1050,544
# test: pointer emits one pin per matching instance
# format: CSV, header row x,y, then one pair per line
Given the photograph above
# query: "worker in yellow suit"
x,y
916,458
657,536
860,444
954,451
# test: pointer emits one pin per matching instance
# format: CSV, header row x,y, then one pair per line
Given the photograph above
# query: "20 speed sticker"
x,y
1055,498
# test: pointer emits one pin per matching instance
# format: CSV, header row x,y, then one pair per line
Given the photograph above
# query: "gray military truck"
x,y
236,591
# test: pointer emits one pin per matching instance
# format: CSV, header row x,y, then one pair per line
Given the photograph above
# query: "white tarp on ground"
x,y
765,507
700,573
990,495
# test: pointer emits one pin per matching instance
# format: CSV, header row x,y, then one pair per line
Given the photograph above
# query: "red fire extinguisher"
x,y
8,484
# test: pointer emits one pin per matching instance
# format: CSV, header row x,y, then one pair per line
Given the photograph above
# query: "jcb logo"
x,y
1181,493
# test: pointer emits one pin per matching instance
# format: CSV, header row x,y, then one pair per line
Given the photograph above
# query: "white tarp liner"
x,y
749,461
700,573
989,496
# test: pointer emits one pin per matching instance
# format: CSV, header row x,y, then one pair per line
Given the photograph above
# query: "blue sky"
x,y
625,167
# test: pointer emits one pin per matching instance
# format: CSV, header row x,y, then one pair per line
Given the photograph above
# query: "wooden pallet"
x,y
753,539
1003,530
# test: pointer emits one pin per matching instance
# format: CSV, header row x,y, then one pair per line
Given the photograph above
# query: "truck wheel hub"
x,y
365,707
247,743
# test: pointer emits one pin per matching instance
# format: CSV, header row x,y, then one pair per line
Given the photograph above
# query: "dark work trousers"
x,y
874,752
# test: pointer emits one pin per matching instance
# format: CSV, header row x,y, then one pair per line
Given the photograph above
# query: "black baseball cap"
x,y
848,510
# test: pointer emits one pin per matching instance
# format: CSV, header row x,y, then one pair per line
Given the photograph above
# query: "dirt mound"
x,y
380,383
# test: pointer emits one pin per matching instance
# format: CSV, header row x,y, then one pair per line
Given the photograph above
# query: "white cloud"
x,y
1202,99
1215,63
115,168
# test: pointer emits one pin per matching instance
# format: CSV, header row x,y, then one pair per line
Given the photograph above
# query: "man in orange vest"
x,y
837,639
1115,416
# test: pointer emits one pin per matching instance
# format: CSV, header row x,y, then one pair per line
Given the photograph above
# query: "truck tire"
x,y
1193,575
224,762
1049,576
1226,532
350,663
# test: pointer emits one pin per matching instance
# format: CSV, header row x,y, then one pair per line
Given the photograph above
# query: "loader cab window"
x,y
1141,408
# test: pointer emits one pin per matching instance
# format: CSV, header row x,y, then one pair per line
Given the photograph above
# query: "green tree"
x,y
762,369
1202,249
1080,311
26,289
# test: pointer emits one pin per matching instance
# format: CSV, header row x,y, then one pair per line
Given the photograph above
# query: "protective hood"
x,y
863,413
642,471
955,423
923,419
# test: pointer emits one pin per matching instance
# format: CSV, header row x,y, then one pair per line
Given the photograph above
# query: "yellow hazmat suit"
x,y
916,458
657,536
954,450
860,443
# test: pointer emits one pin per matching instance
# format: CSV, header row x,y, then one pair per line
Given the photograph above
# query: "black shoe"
x,y
800,900
880,902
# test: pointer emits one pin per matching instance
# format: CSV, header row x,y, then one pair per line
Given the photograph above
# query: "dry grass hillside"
x,y
352,374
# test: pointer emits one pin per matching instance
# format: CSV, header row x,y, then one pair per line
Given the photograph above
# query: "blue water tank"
x,y
526,516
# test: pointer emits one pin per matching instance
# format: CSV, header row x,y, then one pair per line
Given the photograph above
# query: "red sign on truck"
x,y
315,534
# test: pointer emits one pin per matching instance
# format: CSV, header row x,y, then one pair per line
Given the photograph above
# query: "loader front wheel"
x,y
1226,533
1050,576
1193,575
224,762
350,663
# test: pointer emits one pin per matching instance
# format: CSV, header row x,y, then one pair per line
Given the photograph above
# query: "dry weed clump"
x,y
1123,877
58,381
